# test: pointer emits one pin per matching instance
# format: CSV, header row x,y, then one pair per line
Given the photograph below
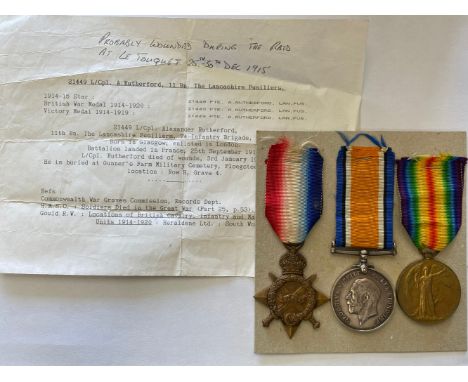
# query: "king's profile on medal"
x,y
362,299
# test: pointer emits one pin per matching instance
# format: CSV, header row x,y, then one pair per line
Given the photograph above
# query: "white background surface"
x,y
416,78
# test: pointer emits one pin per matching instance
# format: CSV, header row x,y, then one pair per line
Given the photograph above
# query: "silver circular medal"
x,y
362,301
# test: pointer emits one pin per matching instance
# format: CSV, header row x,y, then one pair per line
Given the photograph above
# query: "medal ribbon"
x,y
364,196
293,197
431,190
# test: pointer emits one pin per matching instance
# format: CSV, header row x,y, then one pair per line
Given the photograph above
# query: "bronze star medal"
x,y
293,204
291,298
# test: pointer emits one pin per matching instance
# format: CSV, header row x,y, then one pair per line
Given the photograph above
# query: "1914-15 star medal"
x,y
291,298
293,204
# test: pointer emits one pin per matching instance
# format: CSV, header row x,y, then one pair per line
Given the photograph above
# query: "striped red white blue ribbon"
x,y
293,197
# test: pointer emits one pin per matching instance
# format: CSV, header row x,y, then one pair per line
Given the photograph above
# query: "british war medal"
x,y
363,298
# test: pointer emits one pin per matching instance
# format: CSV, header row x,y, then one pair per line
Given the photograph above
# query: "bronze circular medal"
x,y
292,299
362,301
428,290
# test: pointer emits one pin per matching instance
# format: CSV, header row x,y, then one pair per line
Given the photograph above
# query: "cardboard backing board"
x,y
400,333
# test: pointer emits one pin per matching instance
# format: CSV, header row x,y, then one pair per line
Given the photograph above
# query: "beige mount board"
x,y
400,333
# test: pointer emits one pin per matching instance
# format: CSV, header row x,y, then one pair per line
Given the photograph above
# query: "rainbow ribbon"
x,y
293,197
431,191
364,196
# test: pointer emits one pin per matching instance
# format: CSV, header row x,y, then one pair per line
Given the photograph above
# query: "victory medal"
x,y
293,204
431,192
363,298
